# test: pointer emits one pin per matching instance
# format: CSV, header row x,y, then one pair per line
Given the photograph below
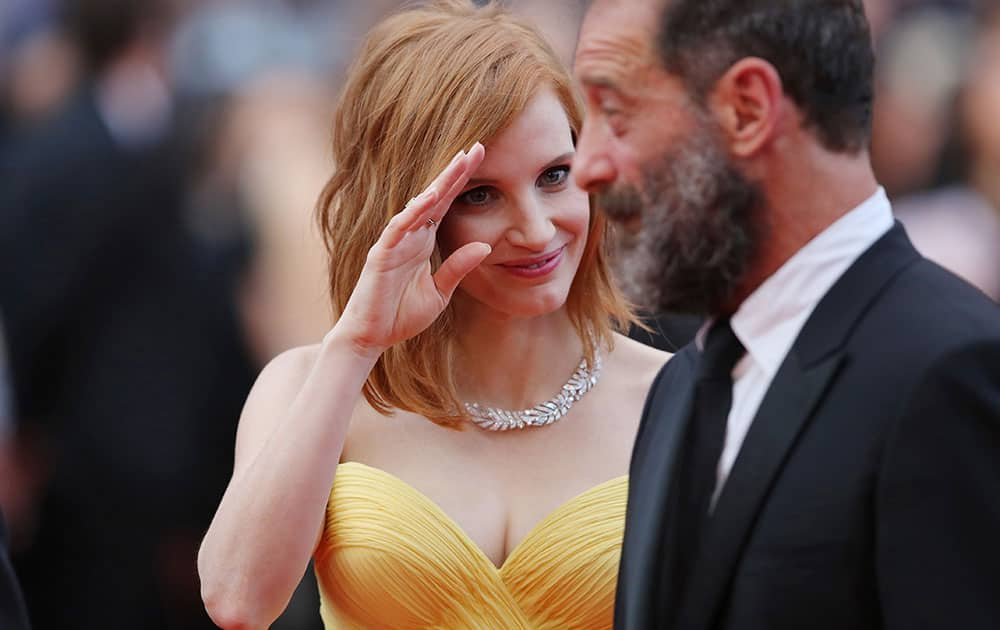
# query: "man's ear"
x,y
748,102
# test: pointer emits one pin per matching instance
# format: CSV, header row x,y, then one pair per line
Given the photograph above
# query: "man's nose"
x,y
593,170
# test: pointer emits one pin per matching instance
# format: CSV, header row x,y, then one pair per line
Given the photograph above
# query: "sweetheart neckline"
x,y
532,533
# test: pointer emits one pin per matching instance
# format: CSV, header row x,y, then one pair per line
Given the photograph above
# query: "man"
x,y
827,453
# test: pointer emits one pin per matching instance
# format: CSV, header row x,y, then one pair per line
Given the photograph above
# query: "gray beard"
x,y
699,229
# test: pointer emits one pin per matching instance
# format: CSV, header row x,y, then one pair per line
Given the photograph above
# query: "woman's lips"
x,y
536,267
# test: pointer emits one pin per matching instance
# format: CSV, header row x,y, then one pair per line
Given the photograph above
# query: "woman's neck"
x,y
514,363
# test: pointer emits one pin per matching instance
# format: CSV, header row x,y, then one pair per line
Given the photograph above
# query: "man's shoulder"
x,y
934,307
680,366
923,317
671,381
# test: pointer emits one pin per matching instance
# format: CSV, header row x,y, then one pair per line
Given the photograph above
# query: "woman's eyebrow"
x,y
484,181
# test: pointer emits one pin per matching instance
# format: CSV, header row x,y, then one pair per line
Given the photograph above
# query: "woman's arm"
x,y
297,416
289,441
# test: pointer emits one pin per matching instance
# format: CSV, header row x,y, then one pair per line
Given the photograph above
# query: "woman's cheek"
x,y
458,231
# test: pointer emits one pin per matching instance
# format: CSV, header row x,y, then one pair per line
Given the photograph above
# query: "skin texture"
x,y
523,204
517,348
644,133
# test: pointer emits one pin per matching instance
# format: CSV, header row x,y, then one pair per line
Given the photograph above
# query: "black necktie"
x,y
706,435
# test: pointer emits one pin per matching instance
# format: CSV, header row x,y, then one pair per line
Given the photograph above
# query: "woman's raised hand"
x,y
397,296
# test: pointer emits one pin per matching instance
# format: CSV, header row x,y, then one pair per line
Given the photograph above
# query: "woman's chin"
x,y
538,306
524,305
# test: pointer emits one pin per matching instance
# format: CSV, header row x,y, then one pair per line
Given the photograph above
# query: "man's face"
x,y
658,165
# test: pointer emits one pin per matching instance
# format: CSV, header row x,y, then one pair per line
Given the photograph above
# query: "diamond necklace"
x,y
493,419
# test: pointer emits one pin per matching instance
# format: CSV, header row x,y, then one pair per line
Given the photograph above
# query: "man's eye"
x,y
554,176
476,197
609,107
615,120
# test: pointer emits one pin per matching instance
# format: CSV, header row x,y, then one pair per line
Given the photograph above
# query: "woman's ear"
x,y
748,102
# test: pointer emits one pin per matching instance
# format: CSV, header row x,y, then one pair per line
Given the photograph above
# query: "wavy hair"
x,y
428,82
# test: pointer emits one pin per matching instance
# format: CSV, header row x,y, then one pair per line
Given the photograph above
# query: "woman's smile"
x,y
535,267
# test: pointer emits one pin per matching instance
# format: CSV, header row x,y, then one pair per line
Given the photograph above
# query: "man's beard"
x,y
700,228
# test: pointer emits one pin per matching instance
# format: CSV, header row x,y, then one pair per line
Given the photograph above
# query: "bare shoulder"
x,y
629,370
276,387
637,360
283,376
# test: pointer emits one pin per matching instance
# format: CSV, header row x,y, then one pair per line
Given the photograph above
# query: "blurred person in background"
x,y
436,518
13,615
268,157
979,107
921,55
936,141
125,352
38,66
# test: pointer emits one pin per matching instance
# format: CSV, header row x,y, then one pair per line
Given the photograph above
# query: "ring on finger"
x,y
431,222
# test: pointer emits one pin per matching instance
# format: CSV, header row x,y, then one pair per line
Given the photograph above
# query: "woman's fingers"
x,y
400,224
458,265
457,170
429,207
471,161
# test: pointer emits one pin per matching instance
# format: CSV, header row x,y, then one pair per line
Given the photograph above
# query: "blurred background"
x,y
159,162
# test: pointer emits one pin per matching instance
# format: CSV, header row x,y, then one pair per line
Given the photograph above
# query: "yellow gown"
x,y
389,557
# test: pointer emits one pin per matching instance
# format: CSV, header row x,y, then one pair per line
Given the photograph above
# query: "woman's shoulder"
x,y
636,364
287,370
277,385
639,356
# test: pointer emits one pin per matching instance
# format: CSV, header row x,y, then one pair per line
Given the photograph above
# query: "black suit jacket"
x,y
867,490
12,612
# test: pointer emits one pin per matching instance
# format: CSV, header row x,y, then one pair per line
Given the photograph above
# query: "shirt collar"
x,y
770,319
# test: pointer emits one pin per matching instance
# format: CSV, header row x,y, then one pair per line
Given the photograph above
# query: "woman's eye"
x,y
476,197
554,176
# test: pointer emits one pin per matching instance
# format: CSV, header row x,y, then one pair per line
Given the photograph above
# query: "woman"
x,y
436,518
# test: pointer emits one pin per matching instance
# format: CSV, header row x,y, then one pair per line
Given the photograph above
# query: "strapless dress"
x,y
389,557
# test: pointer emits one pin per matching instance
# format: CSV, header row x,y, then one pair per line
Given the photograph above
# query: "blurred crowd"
x,y
159,162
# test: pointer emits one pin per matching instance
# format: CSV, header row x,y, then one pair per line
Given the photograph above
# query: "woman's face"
x,y
522,202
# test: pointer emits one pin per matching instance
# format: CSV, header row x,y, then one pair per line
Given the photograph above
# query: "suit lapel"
x,y
809,369
783,414
650,491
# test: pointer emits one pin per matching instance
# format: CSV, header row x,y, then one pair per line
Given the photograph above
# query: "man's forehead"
x,y
620,33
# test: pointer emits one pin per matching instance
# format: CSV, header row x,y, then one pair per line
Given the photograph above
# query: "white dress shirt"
x,y
769,321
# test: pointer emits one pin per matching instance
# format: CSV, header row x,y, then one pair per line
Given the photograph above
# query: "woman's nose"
x,y
532,227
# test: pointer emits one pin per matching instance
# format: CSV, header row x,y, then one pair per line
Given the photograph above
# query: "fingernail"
x,y
477,144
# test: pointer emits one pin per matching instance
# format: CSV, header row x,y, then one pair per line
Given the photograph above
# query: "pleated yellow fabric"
x,y
389,557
